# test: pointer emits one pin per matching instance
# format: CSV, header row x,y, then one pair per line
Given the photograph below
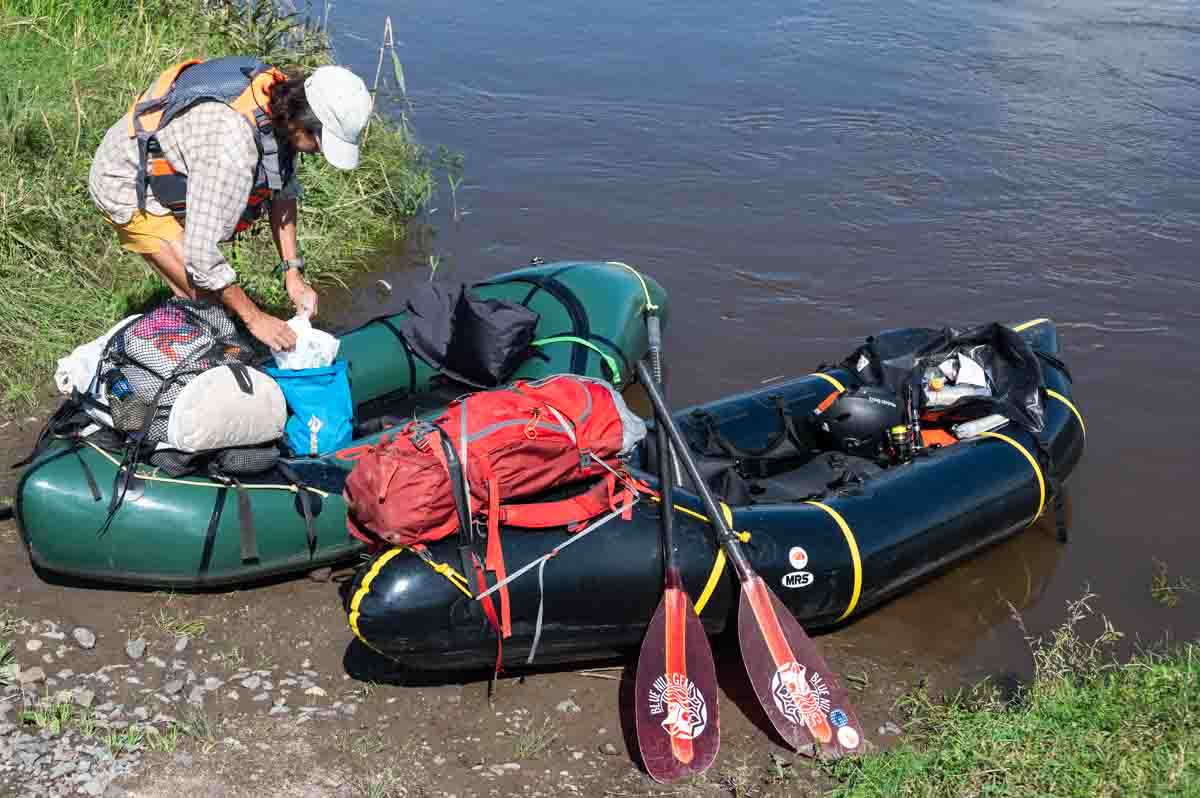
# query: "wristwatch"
x,y
288,264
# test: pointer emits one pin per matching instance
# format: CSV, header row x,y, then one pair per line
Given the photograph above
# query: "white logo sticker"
x,y
797,579
314,426
848,737
798,557
802,700
686,711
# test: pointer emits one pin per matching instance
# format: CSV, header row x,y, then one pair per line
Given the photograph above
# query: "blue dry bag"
x,y
321,412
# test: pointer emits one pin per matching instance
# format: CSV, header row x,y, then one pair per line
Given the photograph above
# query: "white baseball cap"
x,y
341,101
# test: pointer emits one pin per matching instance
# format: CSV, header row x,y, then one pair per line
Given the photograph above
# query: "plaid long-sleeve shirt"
x,y
215,147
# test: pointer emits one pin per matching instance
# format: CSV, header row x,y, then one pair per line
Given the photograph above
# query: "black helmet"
x,y
858,421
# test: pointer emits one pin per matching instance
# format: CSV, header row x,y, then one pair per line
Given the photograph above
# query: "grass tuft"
x,y
534,741
1166,591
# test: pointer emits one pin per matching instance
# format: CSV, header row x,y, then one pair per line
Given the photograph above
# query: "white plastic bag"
x,y
76,370
314,348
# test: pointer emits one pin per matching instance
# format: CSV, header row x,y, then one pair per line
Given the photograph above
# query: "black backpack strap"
x,y
270,150
241,375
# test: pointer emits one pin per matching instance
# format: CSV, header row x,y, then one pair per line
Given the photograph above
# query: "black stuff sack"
x,y
480,342
898,358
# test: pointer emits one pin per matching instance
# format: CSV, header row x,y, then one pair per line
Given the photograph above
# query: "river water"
x,y
799,175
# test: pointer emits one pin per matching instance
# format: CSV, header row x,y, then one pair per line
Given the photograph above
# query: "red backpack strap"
x,y
489,609
495,554
564,512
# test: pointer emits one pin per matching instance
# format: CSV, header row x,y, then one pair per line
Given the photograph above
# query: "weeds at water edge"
x,y
1063,733
1166,591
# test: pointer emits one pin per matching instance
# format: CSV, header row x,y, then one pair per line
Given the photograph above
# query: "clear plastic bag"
x,y
314,348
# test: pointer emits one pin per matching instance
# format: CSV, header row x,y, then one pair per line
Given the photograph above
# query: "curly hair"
x,y
289,107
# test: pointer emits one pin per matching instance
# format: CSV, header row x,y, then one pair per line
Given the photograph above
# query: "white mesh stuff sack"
x,y
314,348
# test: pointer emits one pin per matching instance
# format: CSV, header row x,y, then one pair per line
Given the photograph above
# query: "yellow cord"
x,y
645,288
208,484
365,588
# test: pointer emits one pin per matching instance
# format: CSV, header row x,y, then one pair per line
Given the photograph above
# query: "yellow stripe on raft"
x,y
1074,409
852,544
831,380
1028,324
1037,470
714,577
365,588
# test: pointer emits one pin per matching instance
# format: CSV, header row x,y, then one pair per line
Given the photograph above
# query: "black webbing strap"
x,y
1060,515
740,452
246,523
305,506
87,473
210,537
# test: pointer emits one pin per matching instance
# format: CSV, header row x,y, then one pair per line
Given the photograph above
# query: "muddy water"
x,y
799,175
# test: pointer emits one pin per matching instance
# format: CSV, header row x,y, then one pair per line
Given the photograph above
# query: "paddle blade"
x,y
675,695
804,700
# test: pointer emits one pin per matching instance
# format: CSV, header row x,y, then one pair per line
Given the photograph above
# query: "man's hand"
x,y
271,331
301,293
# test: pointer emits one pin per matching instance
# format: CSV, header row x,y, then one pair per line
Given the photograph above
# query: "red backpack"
x,y
489,448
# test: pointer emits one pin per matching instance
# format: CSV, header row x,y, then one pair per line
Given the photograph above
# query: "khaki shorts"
x,y
145,233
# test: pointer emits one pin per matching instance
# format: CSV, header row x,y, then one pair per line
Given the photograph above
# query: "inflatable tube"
x,y
828,560
188,532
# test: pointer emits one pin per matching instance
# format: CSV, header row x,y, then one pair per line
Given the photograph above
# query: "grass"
x,y
124,741
232,658
70,69
7,663
197,725
179,624
164,741
54,716
360,745
1166,591
534,741
388,783
1085,726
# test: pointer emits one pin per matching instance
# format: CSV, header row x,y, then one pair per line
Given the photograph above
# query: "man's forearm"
x,y
236,301
283,228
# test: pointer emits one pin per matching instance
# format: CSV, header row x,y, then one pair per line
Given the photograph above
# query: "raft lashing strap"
x,y
1037,470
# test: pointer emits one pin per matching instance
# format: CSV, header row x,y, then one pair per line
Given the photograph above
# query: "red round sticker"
x,y
798,557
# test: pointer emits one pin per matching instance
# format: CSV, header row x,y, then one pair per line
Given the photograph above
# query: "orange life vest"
x,y
241,83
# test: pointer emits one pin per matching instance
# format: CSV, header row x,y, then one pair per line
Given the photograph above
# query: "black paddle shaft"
x,y
665,466
733,548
